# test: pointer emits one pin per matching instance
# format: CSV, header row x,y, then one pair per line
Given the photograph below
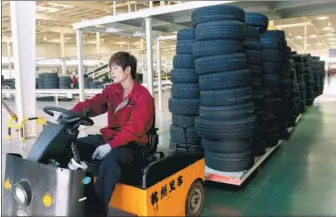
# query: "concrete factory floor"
x,y
297,180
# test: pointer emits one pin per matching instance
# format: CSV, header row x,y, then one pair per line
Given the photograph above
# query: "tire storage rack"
x,y
238,90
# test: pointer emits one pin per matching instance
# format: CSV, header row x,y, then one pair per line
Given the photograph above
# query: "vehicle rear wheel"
x,y
195,199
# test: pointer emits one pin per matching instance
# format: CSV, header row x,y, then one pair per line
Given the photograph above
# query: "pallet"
x,y
238,178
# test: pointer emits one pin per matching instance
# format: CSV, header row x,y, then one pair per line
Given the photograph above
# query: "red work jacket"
x,y
131,123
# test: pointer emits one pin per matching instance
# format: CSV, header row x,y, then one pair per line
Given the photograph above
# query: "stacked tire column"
x,y
256,24
295,93
226,123
285,91
300,69
309,78
184,101
272,45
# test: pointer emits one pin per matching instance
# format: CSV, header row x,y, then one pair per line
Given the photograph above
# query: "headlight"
x,y
22,192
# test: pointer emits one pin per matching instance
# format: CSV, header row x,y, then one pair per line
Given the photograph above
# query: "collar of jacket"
x,y
132,95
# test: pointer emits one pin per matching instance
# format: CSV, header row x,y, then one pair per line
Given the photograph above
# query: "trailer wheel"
x,y
195,199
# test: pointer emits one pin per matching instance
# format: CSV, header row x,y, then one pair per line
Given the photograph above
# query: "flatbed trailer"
x,y
238,178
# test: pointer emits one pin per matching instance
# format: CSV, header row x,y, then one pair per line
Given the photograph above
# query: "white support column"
x,y
64,68
79,40
9,54
129,6
98,46
114,8
305,38
149,55
150,4
158,63
23,25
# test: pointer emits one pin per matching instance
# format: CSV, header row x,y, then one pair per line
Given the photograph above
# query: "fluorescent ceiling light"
x,y
67,38
319,44
322,18
47,9
60,5
327,28
332,39
313,36
298,37
330,34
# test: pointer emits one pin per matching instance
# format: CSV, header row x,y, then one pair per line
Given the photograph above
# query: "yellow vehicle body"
x,y
166,198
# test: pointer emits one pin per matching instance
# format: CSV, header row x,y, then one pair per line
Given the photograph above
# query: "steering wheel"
x,y
71,117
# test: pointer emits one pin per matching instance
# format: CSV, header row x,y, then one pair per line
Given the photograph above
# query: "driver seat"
x,y
133,173
149,151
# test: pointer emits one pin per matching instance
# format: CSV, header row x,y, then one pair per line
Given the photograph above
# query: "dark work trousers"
x,y
109,169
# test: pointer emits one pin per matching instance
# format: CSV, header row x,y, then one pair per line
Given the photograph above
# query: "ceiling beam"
x,y
294,4
311,10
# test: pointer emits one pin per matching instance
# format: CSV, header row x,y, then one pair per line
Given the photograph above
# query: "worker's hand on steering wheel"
x,y
101,152
59,115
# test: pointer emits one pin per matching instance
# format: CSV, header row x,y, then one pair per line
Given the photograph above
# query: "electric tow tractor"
x,y
53,181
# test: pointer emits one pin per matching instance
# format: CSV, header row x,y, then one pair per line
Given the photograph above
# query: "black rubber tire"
x,y
219,130
267,43
274,34
226,97
198,184
226,146
186,34
259,146
220,30
256,83
183,76
183,121
185,91
185,61
235,162
252,45
227,112
272,68
254,57
187,107
256,71
217,12
184,135
220,63
272,103
216,47
271,55
271,80
225,80
252,32
272,140
257,20
184,47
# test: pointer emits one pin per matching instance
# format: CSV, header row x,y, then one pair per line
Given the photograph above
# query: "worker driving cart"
x,y
130,109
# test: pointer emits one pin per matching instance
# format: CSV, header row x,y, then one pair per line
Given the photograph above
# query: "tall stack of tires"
x,y
309,78
256,24
40,81
51,80
317,67
285,91
300,74
295,92
184,101
64,82
226,122
48,81
272,42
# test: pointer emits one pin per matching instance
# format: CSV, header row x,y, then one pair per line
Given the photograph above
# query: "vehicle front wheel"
x,y
195,199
